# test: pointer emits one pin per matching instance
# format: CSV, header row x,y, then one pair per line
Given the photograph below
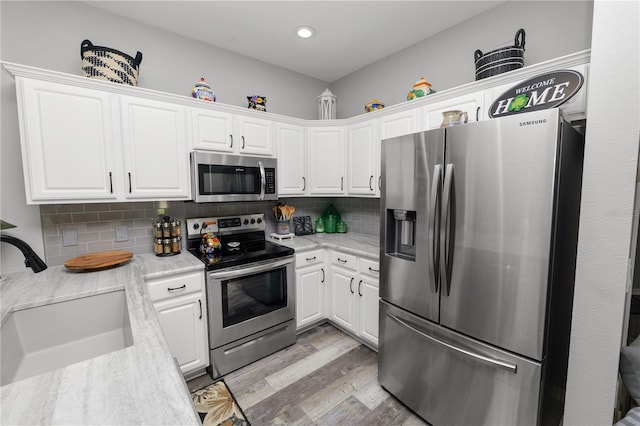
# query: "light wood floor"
x,y
326,378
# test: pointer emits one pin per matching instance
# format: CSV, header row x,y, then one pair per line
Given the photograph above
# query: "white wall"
x,y
611,155
553,29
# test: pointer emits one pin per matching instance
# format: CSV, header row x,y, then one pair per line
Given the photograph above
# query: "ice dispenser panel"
x,y
401,234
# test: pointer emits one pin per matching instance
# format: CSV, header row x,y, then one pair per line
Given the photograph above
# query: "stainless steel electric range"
x,y
250,285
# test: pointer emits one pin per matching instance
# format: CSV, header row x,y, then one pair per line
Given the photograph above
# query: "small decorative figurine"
x,y
202,91
258,103
420,88
373,105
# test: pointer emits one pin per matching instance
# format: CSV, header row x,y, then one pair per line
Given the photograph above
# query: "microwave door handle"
x,y
262,180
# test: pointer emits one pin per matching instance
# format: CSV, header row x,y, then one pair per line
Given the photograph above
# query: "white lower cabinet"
x,y
343,298
368,297
180,302
311,284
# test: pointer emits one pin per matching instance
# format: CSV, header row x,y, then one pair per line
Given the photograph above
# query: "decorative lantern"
x,y
327,105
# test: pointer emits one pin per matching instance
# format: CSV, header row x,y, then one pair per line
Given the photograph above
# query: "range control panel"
x,y
225,225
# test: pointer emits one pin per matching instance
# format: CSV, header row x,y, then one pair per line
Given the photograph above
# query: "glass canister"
x,y
319,225
341,227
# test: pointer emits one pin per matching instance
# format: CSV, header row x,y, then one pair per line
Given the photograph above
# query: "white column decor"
x,y
327,105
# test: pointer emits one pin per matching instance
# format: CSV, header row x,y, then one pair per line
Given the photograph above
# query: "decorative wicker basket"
x,y
104,63
501,60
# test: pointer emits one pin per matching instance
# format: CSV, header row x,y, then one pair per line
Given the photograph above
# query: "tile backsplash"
x,y
92,226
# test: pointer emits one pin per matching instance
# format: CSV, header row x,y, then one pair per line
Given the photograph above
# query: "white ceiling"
x,y
350,34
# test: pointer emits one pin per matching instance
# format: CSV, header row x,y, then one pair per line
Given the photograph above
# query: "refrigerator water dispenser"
x,y
401,234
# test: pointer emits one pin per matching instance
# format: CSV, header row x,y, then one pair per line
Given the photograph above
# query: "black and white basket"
x,y
500,60
104,63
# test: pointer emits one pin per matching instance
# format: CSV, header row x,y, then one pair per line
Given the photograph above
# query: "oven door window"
x,y
251,296
220,180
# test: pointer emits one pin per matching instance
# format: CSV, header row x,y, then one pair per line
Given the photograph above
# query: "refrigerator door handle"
x,y
434,219
447,228
494,362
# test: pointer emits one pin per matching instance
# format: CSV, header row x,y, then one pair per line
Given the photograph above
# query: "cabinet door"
x,y
363,160
68,147
368,309
326,154
310,294
156,161
401,123
256,136
343,298
292,159
472,104
212,130
184,324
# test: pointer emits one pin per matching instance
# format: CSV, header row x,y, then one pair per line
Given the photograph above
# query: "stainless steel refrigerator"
x,y
479,228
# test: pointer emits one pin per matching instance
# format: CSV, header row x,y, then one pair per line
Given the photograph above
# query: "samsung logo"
x,y
239,170
532,122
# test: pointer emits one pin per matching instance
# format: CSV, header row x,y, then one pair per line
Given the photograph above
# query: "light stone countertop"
x,y
140,384
352,243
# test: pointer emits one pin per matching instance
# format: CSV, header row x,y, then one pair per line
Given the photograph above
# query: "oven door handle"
x,y
263,180
251,269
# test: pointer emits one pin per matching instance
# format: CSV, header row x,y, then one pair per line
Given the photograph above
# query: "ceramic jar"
x,y
420,88
373,105
201,90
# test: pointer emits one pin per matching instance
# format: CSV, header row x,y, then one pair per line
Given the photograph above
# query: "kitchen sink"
x,y
41,339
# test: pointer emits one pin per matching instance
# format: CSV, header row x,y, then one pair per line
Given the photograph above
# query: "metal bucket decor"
x,y
501,60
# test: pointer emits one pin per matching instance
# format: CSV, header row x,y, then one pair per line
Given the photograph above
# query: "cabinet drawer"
x,y
309,258
344,260
175,285
369,267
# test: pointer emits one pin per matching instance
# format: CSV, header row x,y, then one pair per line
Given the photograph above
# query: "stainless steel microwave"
x,y
229,177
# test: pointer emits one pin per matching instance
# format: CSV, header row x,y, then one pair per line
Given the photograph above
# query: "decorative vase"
x,y
453,118
258,103
373,105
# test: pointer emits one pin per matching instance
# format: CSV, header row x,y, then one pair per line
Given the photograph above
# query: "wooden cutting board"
x,y
97,261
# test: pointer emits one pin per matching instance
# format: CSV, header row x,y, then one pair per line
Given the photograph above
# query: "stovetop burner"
x,y
242,239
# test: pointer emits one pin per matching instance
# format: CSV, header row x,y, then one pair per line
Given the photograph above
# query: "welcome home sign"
x,y
542,92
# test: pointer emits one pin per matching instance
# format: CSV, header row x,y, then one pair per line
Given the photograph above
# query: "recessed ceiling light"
x,y
305,32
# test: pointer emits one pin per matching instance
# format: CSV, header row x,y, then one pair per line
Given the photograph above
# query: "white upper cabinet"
x,y
292,159
212,130
363,159
326,160
155,149
472,104
398,124
256,136
68,143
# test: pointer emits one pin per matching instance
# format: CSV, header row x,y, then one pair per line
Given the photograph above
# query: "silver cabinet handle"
x,y
304,183
359,284
434,218
495,362
182,287
447,234
200,303
342,183
341,261
374,270
478,114
351,285
129,182
110,183
370,183
231,137
242,142
309,259
322,269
